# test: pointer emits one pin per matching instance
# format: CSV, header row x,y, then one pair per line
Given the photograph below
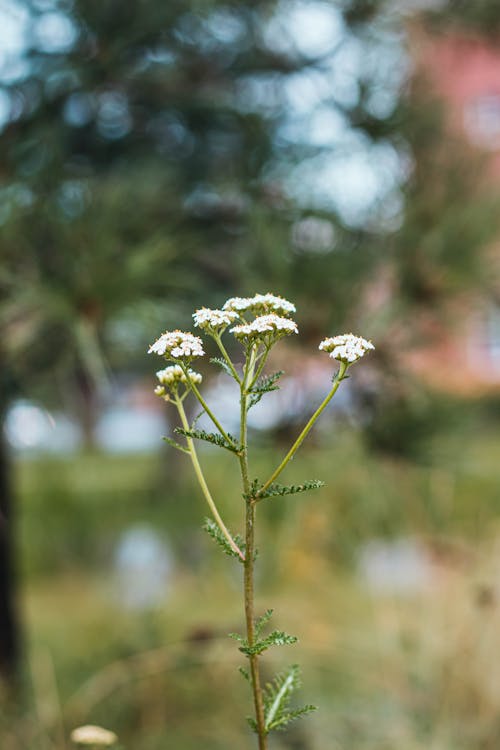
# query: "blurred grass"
x,y
388,672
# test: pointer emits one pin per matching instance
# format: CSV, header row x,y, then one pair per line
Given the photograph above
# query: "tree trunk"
x,y
9,626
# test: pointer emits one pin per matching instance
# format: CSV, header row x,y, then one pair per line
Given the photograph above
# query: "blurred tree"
x,y
146,159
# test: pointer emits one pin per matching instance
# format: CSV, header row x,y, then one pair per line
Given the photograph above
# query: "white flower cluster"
x,y
178,345
93,735
263,325
346,347
260,304
214,321
171,376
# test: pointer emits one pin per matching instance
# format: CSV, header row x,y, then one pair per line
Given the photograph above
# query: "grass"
x,y
387,672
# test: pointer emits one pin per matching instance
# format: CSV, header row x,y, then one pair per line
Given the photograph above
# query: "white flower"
x,y
260,304
93,735
265,324
346,347
173,375
214,320
178,345
239,304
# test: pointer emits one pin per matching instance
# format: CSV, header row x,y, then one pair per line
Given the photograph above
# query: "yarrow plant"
x,y
257,323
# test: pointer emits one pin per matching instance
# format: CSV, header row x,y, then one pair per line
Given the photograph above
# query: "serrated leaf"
x,y
210,437
264,385
223,365
262,620
175,445
278,490
252,724
214,531
237,637
276,697
276,638
286,718
244,673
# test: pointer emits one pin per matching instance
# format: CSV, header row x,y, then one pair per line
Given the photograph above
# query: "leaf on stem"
x,y
175,445
278,490
223,365
210,437
264,385
276,638
276,696
262,620
214,531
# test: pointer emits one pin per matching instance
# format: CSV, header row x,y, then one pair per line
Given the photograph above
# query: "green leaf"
x,y
276,697
264,385
214,531
252,724
262,620
210,437
223,365
244,673
275,490
287,718
175,445
276,638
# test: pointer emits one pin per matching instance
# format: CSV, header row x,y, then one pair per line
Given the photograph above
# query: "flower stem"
x,y
338,379
227,358
203,484
248,576
205,406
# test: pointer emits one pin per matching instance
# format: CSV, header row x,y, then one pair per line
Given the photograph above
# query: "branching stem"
x,y
202,482
202,401
338,379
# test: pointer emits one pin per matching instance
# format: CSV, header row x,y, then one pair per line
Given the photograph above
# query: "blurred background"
x,y
160,156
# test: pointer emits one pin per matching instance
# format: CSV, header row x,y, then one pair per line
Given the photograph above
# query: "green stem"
x,y
338,379
227,358
202,401
202,482
248,576
259,368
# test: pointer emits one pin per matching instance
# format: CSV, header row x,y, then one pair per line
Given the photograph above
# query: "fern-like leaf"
x,y
262,620
264,385
223,365
276,638
289,716
210,437
278,490
175,445
214,531
277,696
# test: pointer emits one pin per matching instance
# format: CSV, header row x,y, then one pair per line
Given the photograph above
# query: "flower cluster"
x,y
214,321
178,345
93,735
346,347
171,376
260,304
263,325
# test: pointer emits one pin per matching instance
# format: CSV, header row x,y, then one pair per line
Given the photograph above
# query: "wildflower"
x,y
346,347
93,735
260,304
171,376
178,345
263,325
214,321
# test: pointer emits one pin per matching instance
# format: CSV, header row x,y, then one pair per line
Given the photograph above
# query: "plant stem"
x,y
203,484
259,368
205,406
338,379
227,358
248,576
